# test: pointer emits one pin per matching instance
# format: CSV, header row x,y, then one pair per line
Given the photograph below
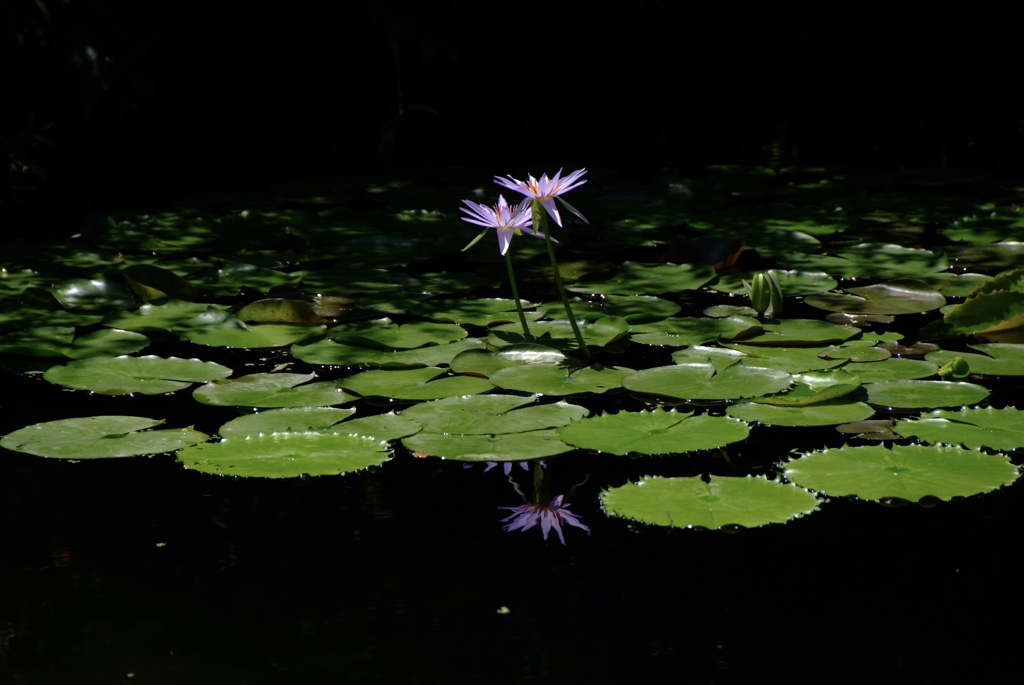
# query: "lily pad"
x,y
924,394
898,296
683,331
491,415
59,342
544,379
904,472
659,431
502,447
995,359
974,428
125,375
430,383
99,437
385,335
829,413
286,455
272,390
722,502
288,420
701,381
633,278
328,352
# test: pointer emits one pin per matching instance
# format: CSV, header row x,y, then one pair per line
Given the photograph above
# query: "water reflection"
x,y
549,516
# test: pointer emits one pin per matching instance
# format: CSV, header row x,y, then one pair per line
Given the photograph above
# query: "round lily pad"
x,y
654,432
974,428
830,413
501,447
99,437
722,502
124,375
286,455
924,394
272,390
701,381
904,472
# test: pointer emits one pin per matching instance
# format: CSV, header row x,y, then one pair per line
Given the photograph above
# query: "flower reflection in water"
x,y
547,516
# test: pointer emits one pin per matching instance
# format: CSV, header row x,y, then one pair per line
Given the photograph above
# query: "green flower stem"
x,y
515,293
540,223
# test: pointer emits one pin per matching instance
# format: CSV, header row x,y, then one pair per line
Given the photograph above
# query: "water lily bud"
x,y
760,292
955,369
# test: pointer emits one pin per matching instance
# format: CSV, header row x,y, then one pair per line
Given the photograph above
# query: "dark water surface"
x,y
135,570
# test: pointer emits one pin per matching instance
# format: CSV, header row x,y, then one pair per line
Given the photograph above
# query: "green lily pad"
x,y
876,261
124,375
898,296
328,352
633,278
385,335
799,333
99,437
480,362
502,447
272,390
895,369
286,455
287,420
217,328
475,311
659,431
700,381
544,379
995,359
814,387
683,331
430,383
904,472
280,310
631,308
491,415
788,359
924,394
162,315
974,428
600,333
150,282
828,413
95,294
723,502
59,342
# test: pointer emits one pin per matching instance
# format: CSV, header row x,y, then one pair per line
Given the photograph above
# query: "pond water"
x,y
147,570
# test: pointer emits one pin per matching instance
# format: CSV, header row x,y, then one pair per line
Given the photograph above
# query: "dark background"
x,y
111,101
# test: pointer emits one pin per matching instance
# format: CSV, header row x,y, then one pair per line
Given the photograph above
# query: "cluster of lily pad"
x,y
471,377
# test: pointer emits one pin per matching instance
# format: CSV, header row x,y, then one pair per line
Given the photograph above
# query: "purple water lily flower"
x,y
551,515
546,190
506,220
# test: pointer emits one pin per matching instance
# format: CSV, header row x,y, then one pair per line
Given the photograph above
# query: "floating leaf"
x,y
683,331
217,328
384,334
904,472
654,432
974,428
700,381
286,455
491,415
830,413
280,310
124,375
99,437
288,420
898,296
501,447
272,390
814,387
723,502
430,383
921,394
996,359
633,278
59,342
544,379
329,352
